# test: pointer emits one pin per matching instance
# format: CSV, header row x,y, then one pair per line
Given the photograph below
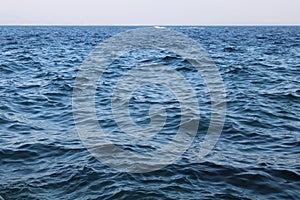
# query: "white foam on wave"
x,y
159,27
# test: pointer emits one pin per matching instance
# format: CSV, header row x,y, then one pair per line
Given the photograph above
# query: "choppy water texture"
x,y
256,157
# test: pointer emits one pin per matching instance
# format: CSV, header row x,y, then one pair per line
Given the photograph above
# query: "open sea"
x,y
257,155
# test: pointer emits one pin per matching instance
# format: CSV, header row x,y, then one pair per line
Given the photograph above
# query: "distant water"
x,y
256,157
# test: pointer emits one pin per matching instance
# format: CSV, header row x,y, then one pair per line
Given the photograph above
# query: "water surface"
x,y
256,157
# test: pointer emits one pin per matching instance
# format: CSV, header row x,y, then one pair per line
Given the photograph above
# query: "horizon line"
x,y
133,25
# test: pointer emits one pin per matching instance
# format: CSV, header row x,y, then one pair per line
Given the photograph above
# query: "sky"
x,y
149,12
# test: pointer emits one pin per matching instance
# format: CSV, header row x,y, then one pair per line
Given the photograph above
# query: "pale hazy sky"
x,y
150,12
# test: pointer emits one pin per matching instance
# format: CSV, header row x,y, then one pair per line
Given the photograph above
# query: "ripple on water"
x,y
256,157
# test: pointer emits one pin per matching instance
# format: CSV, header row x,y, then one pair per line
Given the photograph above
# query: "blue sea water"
x,y
257,155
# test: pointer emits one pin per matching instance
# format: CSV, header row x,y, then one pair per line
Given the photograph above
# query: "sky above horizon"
x,y
150,12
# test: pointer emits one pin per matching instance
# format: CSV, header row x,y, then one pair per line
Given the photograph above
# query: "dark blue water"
x,y
256,157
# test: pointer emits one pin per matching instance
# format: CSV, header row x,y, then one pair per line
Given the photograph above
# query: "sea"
x,y
256,156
